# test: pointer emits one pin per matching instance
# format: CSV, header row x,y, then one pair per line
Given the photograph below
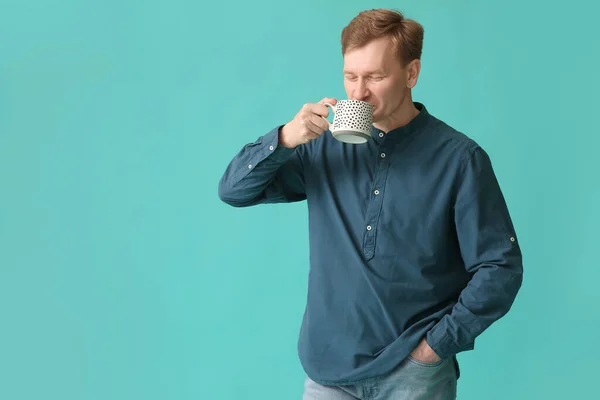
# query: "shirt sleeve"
x,y
491,254
264,172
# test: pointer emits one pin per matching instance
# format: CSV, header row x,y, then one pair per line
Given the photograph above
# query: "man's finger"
x,y
317,125
329,100
320,122
310,136
313,128
319,109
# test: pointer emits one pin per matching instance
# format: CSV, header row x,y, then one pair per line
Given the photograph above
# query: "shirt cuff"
x,y
443,344
274,149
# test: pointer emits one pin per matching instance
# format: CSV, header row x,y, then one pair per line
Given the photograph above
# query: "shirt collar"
x,y
416,124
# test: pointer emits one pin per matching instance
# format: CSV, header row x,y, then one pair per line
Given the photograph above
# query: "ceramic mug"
x,y
352,121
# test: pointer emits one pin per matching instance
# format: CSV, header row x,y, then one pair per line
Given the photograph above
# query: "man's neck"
x,y
405,113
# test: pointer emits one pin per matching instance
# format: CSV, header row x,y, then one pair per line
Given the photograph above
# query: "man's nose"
x,y
360,91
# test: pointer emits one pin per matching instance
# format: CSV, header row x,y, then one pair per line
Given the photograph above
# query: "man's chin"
x,y
376,113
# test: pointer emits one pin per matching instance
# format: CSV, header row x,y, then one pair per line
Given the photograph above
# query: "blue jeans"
x,y
411,380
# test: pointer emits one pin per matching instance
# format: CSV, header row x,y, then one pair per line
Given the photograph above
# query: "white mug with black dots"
x,y
352,121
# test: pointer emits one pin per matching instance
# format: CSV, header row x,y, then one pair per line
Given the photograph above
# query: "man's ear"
x,y
413,69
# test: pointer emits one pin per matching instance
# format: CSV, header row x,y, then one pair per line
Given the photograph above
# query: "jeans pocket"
x,y
425,364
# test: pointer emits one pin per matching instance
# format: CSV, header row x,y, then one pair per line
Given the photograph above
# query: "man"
x,y
413,253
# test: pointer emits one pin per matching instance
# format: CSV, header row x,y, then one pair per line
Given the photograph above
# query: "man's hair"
x,y
406,34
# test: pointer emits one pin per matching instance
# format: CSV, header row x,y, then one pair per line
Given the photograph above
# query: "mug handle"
x,y
333,108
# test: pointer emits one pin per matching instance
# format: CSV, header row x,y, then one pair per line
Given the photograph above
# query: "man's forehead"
x,y
372,57
366,65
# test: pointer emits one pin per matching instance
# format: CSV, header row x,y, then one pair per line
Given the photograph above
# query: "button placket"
x,y
376,200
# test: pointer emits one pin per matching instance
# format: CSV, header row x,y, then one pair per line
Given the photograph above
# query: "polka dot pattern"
x,y
353,115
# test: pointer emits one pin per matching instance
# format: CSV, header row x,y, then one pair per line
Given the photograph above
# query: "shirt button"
x,y
271,148
382,155
369,227
249,166
376,192
512,239
380,134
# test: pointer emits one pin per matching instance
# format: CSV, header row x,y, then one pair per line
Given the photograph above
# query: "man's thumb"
x,y
331,101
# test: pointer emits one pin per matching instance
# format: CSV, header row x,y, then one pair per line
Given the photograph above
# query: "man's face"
x,y
373,73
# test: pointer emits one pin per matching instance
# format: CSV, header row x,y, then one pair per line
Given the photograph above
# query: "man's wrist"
x,y
430,349
282,137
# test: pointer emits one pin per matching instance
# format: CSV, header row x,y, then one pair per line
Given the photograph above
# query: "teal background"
x,y
122,275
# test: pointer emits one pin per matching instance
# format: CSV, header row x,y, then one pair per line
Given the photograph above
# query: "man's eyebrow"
x,y
374,72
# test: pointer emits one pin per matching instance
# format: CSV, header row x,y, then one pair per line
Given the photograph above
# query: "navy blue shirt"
x,y
410,237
